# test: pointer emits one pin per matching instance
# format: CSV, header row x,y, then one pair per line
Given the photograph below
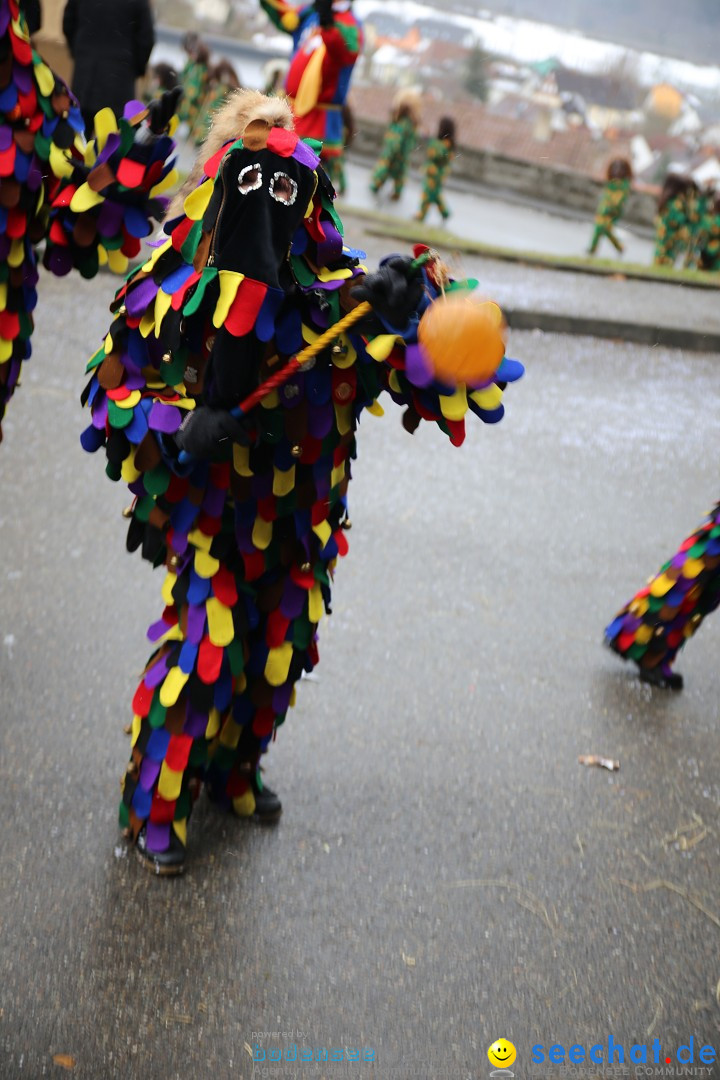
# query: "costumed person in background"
x,y
612,204
327,40
698,201
49,191
248,512
398,143
163,78
440,152
194,77
657,622
222,79
110,44
710,253
672,229
335,166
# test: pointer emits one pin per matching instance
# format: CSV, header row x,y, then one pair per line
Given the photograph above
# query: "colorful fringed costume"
x,y
327,40
253,269
657,622
90,203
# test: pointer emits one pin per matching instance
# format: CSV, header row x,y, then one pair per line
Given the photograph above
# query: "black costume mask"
x,y
263,198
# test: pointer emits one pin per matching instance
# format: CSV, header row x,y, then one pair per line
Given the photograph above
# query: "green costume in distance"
x,y
398,144
672,232
439,156
609,211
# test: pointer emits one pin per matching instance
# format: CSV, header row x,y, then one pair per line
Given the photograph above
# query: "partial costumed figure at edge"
x,y
91,203
247,510
327,41
652,627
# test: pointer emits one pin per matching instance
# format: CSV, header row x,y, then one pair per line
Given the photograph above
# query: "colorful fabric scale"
x,y
657,622
90,203
321,68
249,542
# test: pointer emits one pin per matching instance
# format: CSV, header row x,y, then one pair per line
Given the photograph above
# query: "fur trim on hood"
x,y
242,107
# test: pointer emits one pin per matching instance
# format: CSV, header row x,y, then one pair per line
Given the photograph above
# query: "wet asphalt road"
x,y
445,872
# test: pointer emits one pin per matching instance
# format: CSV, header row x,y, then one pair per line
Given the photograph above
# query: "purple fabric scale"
x,y
109,149
214,502
141,297
320,420
110,218
149,772
281,698
293,600
6,137
195,723
262,486
417,367
157,630
100,414
157,673
195,623
23,78
158,836
329,249
164,418
305,155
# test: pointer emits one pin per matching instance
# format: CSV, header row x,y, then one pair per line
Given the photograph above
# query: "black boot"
x,y
166,863
661,676
268,807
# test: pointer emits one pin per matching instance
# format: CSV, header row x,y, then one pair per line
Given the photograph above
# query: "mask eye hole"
x,y
250,179
283,188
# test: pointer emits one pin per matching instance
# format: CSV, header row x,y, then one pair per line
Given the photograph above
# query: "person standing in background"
x,y
398,144
110,43
440,152
327,40
612,204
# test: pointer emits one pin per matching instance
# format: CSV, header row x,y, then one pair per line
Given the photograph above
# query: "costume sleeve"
x,y
107,194
342,42
400,366
290,18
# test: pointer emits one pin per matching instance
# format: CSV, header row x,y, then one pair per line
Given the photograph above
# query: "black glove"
x,y
206,432
161,110
394,291
324,12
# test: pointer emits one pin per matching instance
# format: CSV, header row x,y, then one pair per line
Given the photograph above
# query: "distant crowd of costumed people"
x,y
687,223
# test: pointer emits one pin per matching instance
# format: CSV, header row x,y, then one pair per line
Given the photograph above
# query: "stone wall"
x,y
554,185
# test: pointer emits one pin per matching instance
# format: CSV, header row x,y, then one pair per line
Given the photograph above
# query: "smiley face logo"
x,y
502,1053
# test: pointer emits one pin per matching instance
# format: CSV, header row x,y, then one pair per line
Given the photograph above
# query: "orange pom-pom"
x,y
462,339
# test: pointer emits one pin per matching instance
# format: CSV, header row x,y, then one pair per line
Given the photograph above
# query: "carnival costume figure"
x,y
398,143
247,510
612,204
656,623
90,202
440,152
327,40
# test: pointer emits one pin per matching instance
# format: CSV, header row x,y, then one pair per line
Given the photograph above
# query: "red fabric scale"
x,y
142,700
161,811
178,752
